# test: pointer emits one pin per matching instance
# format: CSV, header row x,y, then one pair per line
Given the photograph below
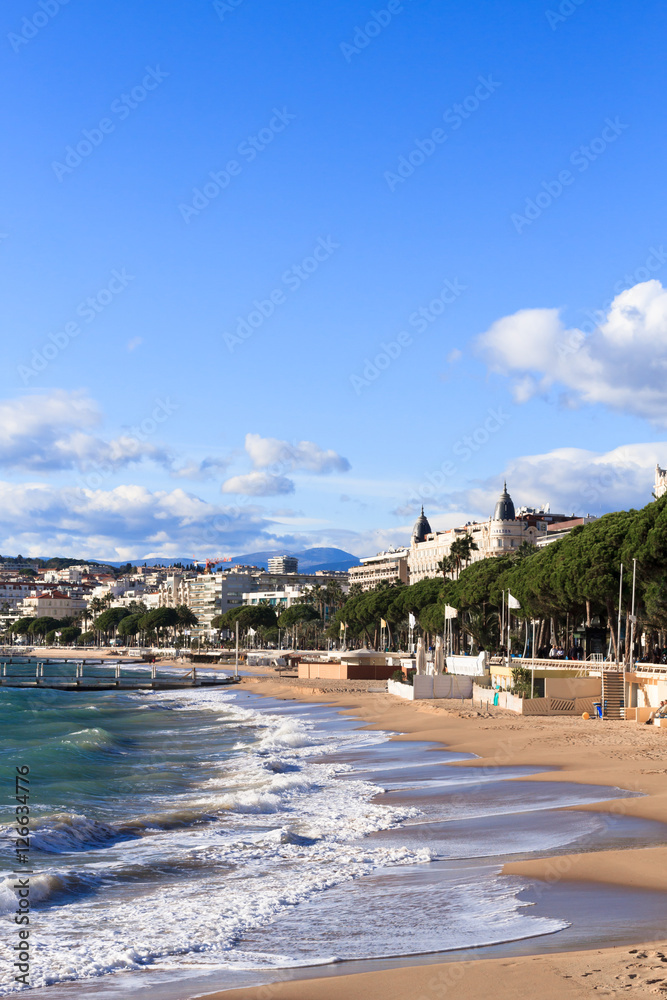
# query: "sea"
x,y
209,838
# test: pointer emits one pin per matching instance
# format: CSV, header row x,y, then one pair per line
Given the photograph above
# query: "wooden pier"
x,y
81,681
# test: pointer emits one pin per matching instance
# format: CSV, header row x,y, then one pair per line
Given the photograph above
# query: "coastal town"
x,y
403,616
333,501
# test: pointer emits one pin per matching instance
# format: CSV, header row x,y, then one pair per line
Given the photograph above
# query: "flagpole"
x,y
502,621
509,625
620,601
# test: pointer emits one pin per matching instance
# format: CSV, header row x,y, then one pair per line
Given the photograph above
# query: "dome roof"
x,y
504,508
421,529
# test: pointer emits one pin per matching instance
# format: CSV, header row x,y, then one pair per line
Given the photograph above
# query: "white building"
x,y
562,528
660,482
51,603
72,574
277,599
503,533
206,594
283,564
13,592
385,567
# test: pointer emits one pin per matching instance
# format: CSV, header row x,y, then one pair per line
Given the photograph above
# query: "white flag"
x,y
512,601
251,631
450,612
412,620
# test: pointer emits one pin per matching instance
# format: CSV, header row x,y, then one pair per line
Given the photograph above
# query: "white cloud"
x,y
51,432
574,480
128,522
305,455
208,468
621,363
258,484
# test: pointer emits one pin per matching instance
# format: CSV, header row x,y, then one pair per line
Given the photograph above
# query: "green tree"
x,y
447,566
41,626
69,635
129,626
248,616
296,615
21,626
158,621
461,550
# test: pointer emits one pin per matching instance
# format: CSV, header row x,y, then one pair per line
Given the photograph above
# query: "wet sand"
x,y
587,752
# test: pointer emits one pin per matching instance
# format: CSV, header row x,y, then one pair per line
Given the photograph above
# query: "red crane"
x,y
209,563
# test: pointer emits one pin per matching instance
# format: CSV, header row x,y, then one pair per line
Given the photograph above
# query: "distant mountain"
x,y
310,560
183,560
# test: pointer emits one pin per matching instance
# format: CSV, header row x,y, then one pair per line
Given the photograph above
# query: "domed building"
x,y
504,508
421,529
503,533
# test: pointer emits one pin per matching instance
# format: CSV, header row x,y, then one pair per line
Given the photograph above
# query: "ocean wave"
x,y
47,888
63,833
92,739
280,766
251,802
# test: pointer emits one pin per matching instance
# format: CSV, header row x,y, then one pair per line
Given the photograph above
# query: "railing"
x,y
58,679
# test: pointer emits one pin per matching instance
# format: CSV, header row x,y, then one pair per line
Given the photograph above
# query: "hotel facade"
x,y
504,532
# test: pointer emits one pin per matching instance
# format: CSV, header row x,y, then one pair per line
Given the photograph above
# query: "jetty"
x,y
105,676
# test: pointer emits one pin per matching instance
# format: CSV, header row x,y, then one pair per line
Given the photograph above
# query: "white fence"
x,y
440,686
470,666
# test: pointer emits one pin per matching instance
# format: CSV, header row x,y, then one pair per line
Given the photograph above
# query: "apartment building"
x,y
385,567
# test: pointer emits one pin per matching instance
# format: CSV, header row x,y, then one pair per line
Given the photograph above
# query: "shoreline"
x,y
620,755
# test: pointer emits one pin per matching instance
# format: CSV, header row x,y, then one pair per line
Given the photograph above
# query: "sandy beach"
x,y
610,754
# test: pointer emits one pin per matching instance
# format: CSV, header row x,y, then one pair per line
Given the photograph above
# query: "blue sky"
x,y
217,217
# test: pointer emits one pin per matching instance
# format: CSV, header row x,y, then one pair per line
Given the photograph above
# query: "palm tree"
x,y
315,595
186,618
333,594
447,565
461,550
482,625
